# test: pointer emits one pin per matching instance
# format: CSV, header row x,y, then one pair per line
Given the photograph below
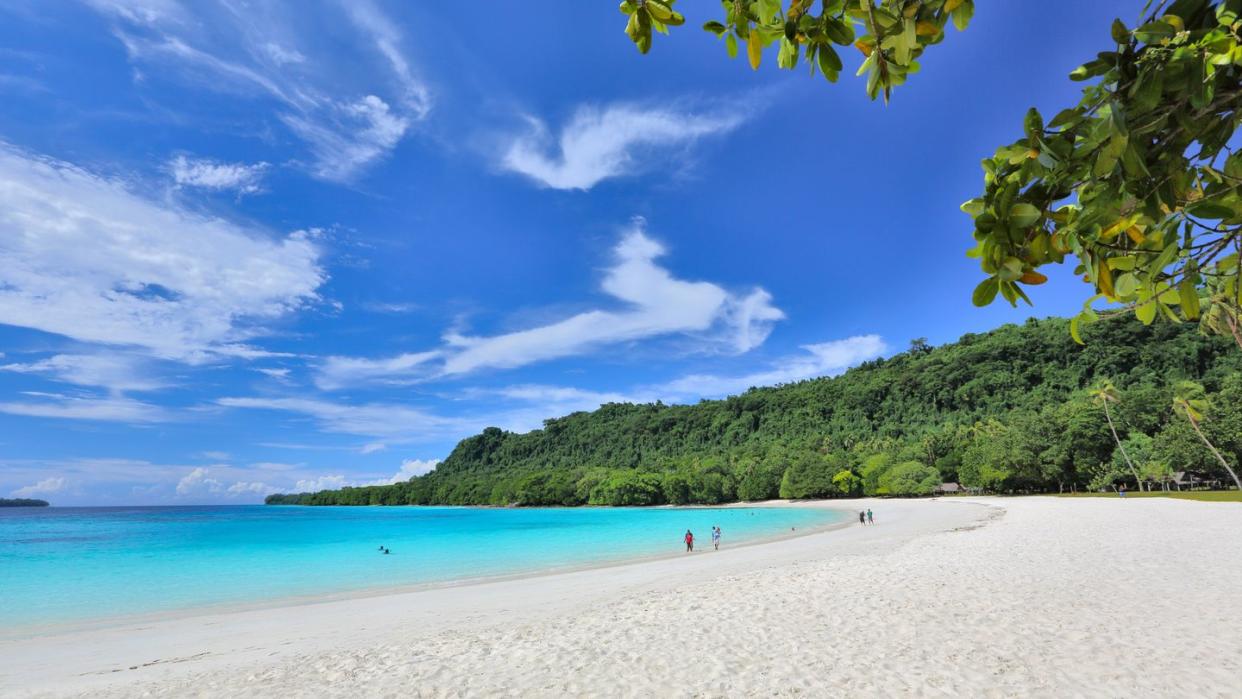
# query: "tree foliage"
x,y
1009,410
1137,181
894,33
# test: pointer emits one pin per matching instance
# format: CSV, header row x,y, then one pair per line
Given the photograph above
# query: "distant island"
x,y
22,502
1010,410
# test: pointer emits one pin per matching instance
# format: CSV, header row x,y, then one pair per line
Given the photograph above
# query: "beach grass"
x,y
1202,495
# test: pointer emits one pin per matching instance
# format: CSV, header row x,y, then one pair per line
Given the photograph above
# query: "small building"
x,y
949,489
1190,480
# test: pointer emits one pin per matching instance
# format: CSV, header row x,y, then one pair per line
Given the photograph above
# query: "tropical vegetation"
x,y
22,502
1017,409
1138,182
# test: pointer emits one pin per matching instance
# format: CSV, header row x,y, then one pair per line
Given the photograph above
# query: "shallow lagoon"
x,y
69,565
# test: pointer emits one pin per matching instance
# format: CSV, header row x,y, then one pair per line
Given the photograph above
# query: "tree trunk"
x,y
1195,424
1138,481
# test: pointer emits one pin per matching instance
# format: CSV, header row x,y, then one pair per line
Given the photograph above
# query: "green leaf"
x,y
754,49
962,14
974,207
985,292
715,28
731,45
1023,215
1034,125
1210,210
1146,312
787,56
1073,328
829,62
1188,298
1153,32
1125,285
1121,35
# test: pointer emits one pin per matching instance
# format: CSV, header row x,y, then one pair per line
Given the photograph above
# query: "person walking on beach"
x,y
689,541
862,517
716,537
870,517
1122,490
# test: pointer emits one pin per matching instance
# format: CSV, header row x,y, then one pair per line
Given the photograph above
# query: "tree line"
x,y
1017,409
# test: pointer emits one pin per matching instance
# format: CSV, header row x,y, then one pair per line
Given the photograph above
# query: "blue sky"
x,y
249,247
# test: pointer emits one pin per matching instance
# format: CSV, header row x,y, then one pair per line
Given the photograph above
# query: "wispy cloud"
x,y
47,486
115,371
83,257
816,360
251,50
822,359
64,407
218,176
393,421
342,372
653,303
613,141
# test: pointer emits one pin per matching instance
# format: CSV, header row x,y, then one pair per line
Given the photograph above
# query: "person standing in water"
x,y
689,541
716,537
870,517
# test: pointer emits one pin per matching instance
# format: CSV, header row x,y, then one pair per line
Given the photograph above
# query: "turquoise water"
x,y
69,565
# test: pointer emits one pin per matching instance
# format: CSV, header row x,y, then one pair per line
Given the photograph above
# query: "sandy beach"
x,y
950,597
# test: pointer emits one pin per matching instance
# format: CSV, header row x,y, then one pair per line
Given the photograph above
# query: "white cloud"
x,y
253,487
350,109
282,55
657,305
369,420
823,359
544,401
311,485
47,486
115,371
614,141
654,304
409,469
372,447
387,41
274,373
215,175
198,482
342,372
111,409
83,257
349,135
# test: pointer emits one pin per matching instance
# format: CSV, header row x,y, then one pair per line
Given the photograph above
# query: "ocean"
x,y
74,565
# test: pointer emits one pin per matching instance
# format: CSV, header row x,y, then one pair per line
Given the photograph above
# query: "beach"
x,y
956,596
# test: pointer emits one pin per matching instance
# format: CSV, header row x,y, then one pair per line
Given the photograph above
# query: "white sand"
x,y
1054,597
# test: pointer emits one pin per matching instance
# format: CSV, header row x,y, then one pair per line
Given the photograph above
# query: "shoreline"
x,y
951,597
157,649
52,629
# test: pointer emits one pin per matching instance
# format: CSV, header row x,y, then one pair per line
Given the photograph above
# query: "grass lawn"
x,y
1204,495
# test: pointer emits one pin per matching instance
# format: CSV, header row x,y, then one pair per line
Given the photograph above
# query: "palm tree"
x,y
1105,393
1191,401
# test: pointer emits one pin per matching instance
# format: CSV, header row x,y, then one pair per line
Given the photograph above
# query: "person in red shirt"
x,y
689,541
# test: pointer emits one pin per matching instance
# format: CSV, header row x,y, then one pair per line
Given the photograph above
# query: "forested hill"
x,y
1006,410
22,502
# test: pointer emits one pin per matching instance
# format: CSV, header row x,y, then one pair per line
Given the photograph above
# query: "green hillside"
x,y
1007,410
